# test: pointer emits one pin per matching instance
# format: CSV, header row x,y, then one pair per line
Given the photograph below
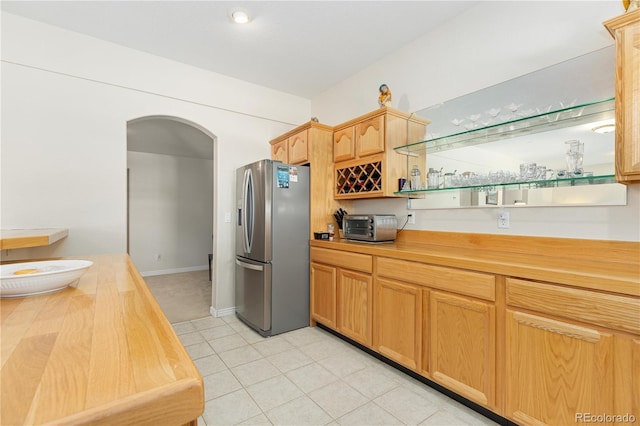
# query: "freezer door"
x,y
253,293
253,218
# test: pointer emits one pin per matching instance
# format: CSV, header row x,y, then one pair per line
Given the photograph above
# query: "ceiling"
x,y
298,47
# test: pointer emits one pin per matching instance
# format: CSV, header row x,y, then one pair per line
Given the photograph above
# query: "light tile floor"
x,y
306,377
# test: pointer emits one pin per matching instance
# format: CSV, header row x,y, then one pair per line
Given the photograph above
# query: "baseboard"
x,y
174,270
222,312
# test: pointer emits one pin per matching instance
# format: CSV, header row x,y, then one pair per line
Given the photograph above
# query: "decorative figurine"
x,y
384,98
315,119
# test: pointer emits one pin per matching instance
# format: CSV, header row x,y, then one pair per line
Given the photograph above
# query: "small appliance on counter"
x,y
370,227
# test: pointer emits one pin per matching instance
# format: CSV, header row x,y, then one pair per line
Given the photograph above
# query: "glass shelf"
x,y
547,183
557,119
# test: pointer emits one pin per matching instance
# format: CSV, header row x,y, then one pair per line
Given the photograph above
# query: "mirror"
x,y
497,110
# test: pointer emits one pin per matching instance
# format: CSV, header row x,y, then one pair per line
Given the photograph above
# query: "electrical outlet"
x,y
411,217
157,257
503,220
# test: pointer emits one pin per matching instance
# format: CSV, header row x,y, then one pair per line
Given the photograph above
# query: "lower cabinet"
x,y
354,305
556,371
342,293
323,294
535,353
627,375
577,351
463,343
398,322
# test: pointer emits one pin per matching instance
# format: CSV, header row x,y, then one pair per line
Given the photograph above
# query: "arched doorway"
x,y
170,211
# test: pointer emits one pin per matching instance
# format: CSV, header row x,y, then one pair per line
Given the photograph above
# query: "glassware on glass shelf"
x,y
457,121
493,112
448,179
532,170
415,179
526,112
474,117
523,171
513,107
574,156
433,178
543,109
506,117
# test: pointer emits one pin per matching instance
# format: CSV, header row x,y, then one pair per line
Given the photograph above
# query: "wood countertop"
x,y
611,266
102,353
24,238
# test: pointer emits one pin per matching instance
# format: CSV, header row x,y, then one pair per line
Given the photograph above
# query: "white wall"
x,y
489,43
66,100
170,212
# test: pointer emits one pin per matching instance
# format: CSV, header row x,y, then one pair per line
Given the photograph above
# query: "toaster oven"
x,y
370,227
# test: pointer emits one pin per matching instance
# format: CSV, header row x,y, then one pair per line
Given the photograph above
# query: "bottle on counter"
x,y
331,230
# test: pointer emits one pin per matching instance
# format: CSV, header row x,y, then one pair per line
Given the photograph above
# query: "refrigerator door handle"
x,y
249,266
248,207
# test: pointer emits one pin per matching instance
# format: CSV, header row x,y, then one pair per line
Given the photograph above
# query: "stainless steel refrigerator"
x,y
272,246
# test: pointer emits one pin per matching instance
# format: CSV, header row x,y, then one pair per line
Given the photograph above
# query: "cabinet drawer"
x,y
607,310
342,259
473,284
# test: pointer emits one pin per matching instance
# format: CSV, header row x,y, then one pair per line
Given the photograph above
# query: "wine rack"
x,y
362,179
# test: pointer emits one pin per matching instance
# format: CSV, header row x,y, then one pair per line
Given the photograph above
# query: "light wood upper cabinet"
x,y
398,322
366,165
354,305
311,144
344,144
298,153
370,136
463,346
626,30
280,151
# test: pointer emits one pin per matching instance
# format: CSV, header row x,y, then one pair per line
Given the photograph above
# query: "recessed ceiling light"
x,y
605,128
239,16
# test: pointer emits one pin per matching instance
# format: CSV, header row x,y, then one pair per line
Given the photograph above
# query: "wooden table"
x,y
101,354
24,238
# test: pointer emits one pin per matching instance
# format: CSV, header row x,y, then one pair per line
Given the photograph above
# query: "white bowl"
x,y
54,275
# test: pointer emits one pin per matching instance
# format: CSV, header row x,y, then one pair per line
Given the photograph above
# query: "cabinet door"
x,y
323,294
628,102
354,306
462,339
279,151
556,371
398,322
627,376
370,136
298,148
344,145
